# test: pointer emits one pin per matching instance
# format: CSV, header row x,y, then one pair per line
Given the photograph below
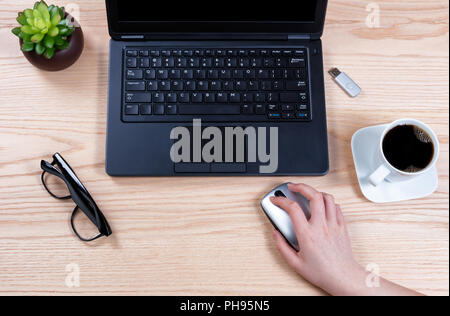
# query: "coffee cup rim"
x,y
421,125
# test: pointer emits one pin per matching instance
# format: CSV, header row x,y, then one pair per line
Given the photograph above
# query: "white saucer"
x,y
364,146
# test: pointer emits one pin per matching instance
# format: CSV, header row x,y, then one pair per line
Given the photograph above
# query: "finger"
x,y
339,216
330,207
295,212
286,251
315,199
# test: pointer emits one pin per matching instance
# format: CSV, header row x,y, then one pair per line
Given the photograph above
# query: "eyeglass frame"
x,y
78,194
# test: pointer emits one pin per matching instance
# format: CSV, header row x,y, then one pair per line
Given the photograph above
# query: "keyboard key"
x,y
262,74
132,53
162,74
209,110
135,86
135,74
175,74
287,107
168,62
213,74
260,97
215,85
302,115
247,109
248,97
138,98
188,74
241,85
164,85
131,62
145,109
156,62
200,74
197,97
153,85
171,98
288,115
158,109
177,85
144,62
158,97
171,109
297,62
190,85
253,85
202,86
222,97
260,109
225,74
274,115
290,97
303,97
235,97
181,62
150,74
183,97
302,107
144,53
228,86
296,85
131,109
210,97
178,53
273,97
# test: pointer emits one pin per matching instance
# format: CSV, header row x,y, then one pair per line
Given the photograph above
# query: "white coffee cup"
x,y
386,171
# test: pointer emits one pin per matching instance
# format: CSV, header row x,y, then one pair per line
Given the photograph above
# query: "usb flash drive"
x,y
345,82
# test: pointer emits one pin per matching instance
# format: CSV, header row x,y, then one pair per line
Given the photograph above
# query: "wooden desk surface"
x,y
208,236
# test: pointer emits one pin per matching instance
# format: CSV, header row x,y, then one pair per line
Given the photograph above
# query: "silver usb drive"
x,y
345,82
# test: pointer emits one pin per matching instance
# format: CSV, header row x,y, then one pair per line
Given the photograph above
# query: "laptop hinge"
x,y
299,37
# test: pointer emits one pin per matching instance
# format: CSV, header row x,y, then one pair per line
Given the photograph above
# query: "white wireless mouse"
x,y
279,218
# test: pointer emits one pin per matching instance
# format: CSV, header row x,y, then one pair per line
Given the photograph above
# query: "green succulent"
x,y
44,29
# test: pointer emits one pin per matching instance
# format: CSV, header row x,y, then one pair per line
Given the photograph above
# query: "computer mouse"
x,y
279,218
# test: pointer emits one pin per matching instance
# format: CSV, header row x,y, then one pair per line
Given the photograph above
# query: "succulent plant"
x,y
44,29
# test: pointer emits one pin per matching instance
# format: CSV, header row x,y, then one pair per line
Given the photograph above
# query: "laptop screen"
x,y
207,11
133,17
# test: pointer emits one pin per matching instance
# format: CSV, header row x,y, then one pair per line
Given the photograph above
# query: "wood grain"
x,y
207,236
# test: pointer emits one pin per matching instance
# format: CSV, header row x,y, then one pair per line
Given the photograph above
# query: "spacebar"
x,y
209,109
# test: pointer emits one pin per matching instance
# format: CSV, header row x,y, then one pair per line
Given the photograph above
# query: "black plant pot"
x,y
62,59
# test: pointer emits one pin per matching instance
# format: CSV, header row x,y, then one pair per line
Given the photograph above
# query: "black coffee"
x,y
408,148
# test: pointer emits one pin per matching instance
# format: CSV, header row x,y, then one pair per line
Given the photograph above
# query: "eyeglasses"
x,y
78,193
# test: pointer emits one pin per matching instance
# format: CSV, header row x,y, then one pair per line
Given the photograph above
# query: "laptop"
x,y
202,90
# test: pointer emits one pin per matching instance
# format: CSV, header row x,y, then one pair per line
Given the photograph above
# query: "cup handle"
x,y
379,175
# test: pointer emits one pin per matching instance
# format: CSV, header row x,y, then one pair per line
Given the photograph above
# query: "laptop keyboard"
x,y
232,85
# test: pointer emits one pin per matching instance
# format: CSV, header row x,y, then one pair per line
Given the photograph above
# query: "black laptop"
x,y
201,89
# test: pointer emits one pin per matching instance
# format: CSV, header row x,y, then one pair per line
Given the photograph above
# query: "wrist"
x,y
350,282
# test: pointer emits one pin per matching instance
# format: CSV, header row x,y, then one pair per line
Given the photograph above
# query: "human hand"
x,y
326,258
